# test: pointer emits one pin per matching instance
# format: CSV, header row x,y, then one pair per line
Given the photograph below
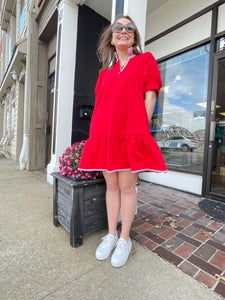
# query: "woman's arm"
x,y
150,98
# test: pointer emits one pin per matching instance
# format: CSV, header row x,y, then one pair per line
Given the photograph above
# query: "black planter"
x,y
79,206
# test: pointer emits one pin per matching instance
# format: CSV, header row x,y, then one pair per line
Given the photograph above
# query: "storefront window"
x,y
52,62
7,117
22,11
9,47
12,119
178,123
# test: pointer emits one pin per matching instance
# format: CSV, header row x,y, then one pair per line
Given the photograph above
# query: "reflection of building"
x,y
49,70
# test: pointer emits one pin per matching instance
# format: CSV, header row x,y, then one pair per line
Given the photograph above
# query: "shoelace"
x,y
108,238
121,245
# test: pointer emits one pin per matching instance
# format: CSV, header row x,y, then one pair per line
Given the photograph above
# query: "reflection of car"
x,y
175,137
187,143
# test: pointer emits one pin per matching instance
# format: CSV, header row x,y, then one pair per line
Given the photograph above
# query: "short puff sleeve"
x,y
152,79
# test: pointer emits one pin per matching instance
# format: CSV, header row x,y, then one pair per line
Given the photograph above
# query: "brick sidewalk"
x,y
171,224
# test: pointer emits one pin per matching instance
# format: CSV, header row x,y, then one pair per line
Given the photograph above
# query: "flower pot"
x,y
79,206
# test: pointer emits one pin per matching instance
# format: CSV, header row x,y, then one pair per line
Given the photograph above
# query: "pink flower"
x,y
69,162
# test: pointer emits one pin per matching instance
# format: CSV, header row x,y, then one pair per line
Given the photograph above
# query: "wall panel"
x,y
183,37
171,13
221,19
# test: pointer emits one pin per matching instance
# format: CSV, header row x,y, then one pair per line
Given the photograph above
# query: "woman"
x,y
120,143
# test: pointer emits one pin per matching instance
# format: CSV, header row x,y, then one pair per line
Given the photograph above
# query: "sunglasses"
x,y
118,27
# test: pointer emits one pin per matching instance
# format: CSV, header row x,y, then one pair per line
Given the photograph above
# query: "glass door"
x,y
217,132
49,112
48,130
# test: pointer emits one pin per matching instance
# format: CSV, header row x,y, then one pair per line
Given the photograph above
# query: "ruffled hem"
x,y
137,171
137,153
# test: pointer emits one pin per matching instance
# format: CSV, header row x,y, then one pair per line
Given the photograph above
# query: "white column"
x,y
64,82
137,10
113,14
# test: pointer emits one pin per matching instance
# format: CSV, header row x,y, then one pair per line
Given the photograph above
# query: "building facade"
x,y
13,65
49,69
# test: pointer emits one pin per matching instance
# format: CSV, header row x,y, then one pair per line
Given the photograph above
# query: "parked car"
x,y
175,137
187,143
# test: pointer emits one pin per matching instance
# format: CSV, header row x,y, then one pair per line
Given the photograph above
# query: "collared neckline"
x,y
131,54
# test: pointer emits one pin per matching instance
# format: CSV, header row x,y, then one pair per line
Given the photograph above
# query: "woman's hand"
x,y
150,98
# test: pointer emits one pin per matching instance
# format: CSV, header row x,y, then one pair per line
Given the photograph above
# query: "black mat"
x,y
215,209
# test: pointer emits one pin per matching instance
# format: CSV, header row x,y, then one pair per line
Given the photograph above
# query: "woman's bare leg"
x,y
112,200
127,185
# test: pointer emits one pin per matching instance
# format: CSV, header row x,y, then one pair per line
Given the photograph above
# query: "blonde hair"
x,y
106,50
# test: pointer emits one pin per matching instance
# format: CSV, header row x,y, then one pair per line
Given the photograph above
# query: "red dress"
x,y
119,137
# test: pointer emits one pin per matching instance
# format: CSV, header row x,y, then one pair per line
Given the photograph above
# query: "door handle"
x,y
47,129
212,131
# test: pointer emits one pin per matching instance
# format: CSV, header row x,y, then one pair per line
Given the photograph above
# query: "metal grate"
x,y
220,44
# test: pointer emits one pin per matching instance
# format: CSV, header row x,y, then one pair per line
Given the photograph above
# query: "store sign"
x,y
199,115
222,123
220,44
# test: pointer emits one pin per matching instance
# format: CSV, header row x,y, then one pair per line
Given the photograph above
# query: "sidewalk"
x,y
37,261
171,224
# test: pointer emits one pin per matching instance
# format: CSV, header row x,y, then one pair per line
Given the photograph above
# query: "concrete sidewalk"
x,y
37,261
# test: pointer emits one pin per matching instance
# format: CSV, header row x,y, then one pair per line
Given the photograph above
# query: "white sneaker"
x,y
121,253
104,249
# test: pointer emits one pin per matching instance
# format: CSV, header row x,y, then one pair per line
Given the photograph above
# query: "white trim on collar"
x,y
130,55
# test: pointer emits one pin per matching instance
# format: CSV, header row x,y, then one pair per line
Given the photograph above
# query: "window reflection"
x,y
21,17
9,48
178,122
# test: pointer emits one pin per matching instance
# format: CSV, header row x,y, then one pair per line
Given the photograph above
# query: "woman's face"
x,y
123,40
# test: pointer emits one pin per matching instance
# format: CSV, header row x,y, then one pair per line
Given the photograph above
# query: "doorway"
x,y
50,104
90,26
216,171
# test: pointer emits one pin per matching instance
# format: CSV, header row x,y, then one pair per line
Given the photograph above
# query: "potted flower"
x,y
78,196
70,160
